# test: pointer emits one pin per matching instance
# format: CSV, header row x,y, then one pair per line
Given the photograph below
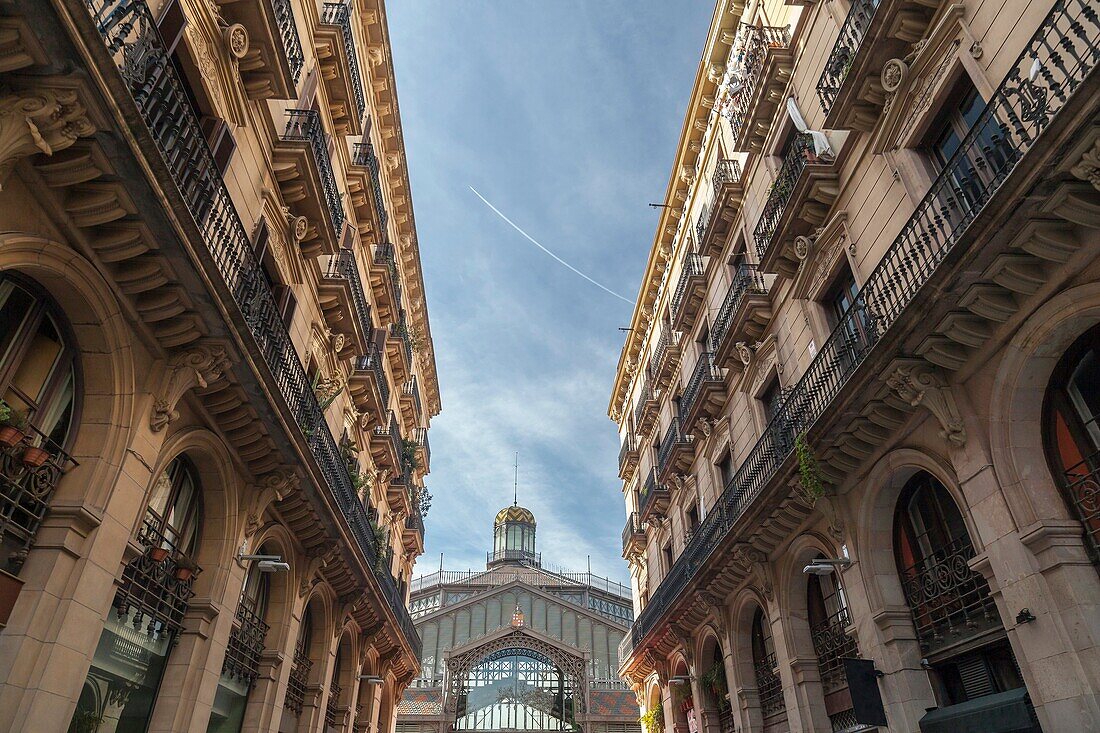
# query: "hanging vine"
x,y
809,473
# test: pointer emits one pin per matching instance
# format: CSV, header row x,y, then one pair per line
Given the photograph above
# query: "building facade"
x,y
216,368
517,646
857,400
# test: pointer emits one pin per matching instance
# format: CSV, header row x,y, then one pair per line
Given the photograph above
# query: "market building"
x,y
216,368
858,396
518,646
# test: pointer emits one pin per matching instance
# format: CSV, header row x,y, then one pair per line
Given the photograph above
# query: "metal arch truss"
x,y
517,681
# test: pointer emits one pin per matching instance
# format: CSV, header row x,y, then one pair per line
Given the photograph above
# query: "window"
x,y
1071,416
174,514
285,301
172,24
984,159
691,520
37,361
958,115
950,603
668,558
765,667
726,468
771,399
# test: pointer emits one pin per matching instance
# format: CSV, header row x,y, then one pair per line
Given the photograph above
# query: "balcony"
x,y
298,680
874,31
272,63
25,492
344,303
523,556
246,645
385,282
338,59
411,403
175,140
712,228
645,412
303,170
412,536
365,189
399,347
798,203
675,453
386,447
938,231
653,498
754,89
425,450
370,390
666,355
399,492
745,313
705,392
628,457
691,289
633,536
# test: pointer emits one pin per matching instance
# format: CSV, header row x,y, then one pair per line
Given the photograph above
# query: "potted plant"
x,y
185,569
408,454
34,456
158,554
13,426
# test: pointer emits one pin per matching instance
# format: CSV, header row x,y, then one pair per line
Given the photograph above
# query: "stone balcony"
x,y
675,454
271,60
712,228
303,169
344,303
753,90
705,392
338,60
744,315
691,289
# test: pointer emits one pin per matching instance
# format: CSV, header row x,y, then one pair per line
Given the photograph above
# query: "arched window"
x,y
38,391
1072,433
332,709
241,666
827,611
951,605
150,604
299,671
766,667
174,514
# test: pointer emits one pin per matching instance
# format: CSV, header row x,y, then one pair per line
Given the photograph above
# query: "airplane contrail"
x,y
535,242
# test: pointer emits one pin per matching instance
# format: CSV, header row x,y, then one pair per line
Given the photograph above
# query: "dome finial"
x,y
515,482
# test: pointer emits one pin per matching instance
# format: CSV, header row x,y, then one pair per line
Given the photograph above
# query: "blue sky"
x,y
565,115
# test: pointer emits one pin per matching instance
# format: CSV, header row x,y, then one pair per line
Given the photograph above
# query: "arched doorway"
x,y
957,624
516,681
1071,433
773,708
712,681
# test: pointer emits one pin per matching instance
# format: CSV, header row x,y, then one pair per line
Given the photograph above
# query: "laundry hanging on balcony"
x,y
821,142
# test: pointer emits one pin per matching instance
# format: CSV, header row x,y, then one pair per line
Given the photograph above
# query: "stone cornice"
x,y
372,14
723,25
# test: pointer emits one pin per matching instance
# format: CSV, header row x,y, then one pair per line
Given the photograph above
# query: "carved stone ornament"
x,y
893,75
299,228
338,343
834,521
705,427
919,383
236,40
755,564
198,366
744,353
802,246
44,121
687,174
1088,168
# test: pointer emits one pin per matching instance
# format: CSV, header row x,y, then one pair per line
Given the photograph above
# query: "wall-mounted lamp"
x,y
1025,616
267,563
679,680
370,679
826,565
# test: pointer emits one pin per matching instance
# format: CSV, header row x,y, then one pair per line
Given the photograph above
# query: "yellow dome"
x,y
515,514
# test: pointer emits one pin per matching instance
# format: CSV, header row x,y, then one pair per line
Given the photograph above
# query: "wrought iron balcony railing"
x,y
705,371
628,456
288,32
372,361
305,125
949,601
652,496
411,389
415,522
746,280
299,678
339,14
534,558
246,644
425,446
363,154
726,171
25,492
332,706
831,644
131,39
392,431
1081,485
645,397
749,52
668,343
1065,50
769,686
800,152
632,531
400,330
692,270
343,265
856,23
673,440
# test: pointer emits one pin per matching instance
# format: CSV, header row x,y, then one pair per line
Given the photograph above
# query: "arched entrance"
x,y
516,681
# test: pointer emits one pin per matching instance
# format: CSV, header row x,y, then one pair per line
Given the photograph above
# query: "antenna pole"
x,y
515,483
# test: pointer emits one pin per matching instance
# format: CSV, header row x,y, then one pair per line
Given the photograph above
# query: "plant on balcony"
x,y
416,339
13,424
381,537
653,720
714,679
424,501
360,480
185,568
809,473
409,459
